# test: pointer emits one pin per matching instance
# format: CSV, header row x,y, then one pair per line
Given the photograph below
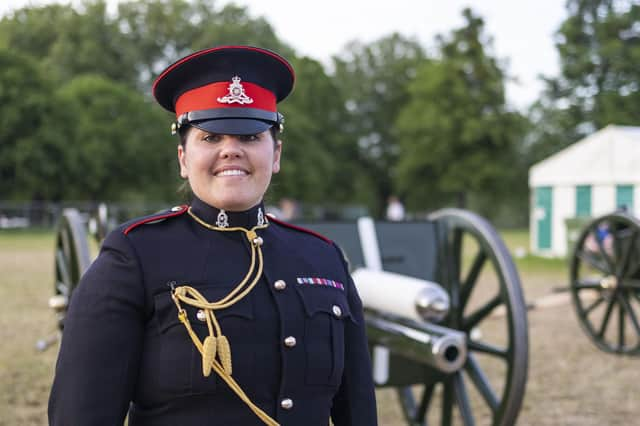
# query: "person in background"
x,y
213,313
289,208
395,209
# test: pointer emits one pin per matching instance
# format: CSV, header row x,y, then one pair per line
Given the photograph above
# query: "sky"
x,y
522,30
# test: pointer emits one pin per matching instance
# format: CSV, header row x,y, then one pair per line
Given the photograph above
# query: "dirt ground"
x,y
570,381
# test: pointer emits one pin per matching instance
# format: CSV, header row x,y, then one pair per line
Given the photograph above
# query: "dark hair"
x,y
183,132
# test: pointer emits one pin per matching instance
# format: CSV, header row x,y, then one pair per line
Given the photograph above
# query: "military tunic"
x,y
297,339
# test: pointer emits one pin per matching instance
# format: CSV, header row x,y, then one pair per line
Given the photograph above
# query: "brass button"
x,y
201,315
280,285
290,341
337,311
287,403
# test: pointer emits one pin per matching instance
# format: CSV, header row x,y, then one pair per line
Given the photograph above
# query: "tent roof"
x,y
610,155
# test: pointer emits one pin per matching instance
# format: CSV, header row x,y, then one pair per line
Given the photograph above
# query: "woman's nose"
x,y
231,147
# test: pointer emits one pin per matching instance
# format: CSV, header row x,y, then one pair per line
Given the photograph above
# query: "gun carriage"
x,y
446,318
605,282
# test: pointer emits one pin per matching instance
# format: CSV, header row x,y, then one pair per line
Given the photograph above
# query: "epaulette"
x,y
301,229
157,217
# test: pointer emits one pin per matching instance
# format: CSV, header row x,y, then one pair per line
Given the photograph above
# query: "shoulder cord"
x,y
216,343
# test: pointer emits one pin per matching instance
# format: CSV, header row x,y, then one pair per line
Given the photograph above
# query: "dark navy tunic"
x,y
125,351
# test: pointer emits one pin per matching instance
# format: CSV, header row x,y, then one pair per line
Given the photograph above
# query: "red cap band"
x,y
219,95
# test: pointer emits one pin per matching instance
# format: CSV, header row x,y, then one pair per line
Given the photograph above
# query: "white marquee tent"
x,y
592,177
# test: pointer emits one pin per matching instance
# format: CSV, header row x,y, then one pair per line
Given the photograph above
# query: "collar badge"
x,y
236,93
222,221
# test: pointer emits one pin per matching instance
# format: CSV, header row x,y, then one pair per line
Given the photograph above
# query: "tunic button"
x,y
337,311
201,315
287,403
280,285
290,341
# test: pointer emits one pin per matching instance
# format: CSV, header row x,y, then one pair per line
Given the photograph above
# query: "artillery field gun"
x,y
605,282
446,318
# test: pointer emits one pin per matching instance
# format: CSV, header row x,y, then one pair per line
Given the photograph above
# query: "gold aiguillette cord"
x,y
215,349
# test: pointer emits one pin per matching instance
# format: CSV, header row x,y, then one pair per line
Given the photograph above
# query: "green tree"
x,y
71,41
133,44
34,30
599,81
121,148
457,137
374,81
101,128
315,166
159,32
29,154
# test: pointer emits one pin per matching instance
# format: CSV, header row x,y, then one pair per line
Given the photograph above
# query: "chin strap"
x,y
215,349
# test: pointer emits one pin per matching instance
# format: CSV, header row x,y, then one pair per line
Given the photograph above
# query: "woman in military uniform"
x,y
214,313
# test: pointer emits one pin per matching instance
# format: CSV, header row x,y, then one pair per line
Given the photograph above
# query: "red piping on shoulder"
x,y
299,228
183,209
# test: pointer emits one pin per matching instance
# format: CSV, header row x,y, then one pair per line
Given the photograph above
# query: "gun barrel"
x,y
440,347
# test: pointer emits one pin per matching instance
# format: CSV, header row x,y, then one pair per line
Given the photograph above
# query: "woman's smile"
x,y
231,172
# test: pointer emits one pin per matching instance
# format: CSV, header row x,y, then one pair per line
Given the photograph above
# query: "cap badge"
x,y
236,94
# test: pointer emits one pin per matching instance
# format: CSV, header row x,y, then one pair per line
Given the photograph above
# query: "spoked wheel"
x,y
605,283
72,258
487,304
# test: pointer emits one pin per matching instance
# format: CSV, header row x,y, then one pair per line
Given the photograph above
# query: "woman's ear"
x,y
276,156
182,160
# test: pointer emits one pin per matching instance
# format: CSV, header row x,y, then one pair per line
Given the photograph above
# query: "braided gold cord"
x,y
225,302
216,344
226,377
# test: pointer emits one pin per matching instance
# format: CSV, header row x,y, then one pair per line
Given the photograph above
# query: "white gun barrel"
x,y
401,295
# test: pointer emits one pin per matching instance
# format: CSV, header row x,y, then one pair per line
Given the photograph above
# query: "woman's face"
x,y
227,171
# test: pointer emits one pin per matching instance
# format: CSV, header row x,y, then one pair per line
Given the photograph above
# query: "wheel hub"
x,y
609,282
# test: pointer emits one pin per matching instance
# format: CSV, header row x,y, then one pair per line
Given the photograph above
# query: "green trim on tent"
x,y
543,211
583,200
624,197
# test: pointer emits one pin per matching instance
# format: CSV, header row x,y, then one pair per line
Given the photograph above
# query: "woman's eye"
x,y
211,138
249,138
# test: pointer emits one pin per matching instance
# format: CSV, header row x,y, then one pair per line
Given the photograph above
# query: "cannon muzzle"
x,y
440,347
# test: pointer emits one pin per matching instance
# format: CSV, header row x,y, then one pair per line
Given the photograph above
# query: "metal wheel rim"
x,y
622,267
72,256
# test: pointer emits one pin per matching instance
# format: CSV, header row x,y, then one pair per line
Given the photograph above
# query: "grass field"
x,y
26,282
570,381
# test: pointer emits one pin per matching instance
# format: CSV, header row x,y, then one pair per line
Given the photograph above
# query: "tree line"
x,y
77,120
